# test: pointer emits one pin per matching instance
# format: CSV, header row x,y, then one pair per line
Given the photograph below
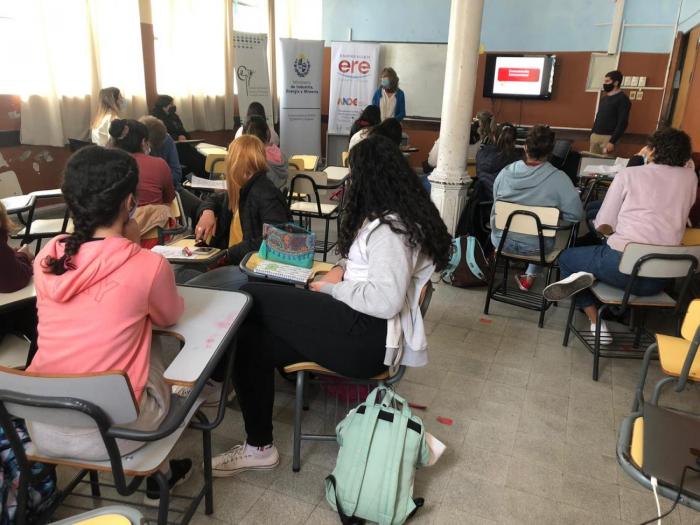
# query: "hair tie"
x,y
125,132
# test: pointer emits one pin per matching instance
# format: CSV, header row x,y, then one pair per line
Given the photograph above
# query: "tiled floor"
x,y
532,440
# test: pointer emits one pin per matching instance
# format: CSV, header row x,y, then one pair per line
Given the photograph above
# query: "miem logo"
x,y
302,65
354,68
346,101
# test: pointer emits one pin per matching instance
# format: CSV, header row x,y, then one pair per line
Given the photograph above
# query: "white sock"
x,y
259,452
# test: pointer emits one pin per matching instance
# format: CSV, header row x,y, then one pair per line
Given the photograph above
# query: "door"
x,y
686,77
690,122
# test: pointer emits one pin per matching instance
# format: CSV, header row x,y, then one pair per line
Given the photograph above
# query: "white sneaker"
x,y
240,459
211,393
573,284
605,335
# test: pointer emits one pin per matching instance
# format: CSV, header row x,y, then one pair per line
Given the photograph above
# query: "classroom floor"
x,y
532,440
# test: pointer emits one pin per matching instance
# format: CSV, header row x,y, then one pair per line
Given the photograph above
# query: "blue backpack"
x,y
468,265
40,495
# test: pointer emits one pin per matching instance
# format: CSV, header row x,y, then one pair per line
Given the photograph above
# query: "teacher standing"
x,y
612,117
389,98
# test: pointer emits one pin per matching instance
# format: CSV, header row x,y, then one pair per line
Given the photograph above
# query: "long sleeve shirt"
x,y
613,116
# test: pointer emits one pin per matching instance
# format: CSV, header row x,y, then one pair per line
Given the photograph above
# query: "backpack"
x,y
468,265
380,447
40,494
473,219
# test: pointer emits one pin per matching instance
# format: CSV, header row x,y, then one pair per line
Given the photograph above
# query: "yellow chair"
x,y
677,356
691,237
344,158
214,165
304,162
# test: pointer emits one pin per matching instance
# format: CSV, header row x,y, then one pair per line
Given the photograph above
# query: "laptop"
x,y
669,437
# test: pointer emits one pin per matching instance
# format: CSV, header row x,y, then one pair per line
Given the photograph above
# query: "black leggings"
x,y
288,325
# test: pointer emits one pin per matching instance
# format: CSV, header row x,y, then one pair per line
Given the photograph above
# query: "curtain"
x,y
193,48
65,52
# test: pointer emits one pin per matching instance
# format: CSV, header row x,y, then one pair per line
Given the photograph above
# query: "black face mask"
x,y
608,87
172,110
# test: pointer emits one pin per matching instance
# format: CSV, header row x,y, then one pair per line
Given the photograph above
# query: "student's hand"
x,y
181,137
132,231
206,227
26,250
609,147
605,229
335,275
315,286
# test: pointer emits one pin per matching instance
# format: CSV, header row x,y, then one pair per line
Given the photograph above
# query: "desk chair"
x,y
178,214
214,165
14,351
344,156
638,260
390,377
105,401
111,515
304,162
537,221
40,229
311,185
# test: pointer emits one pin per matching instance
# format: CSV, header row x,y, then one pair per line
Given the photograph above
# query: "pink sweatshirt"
x,y
98,317
648,204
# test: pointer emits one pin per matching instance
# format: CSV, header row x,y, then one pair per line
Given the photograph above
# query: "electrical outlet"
x,y
634,82
633,95
640,94
642,81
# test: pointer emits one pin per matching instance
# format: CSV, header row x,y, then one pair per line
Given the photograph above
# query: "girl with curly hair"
x,y
361,316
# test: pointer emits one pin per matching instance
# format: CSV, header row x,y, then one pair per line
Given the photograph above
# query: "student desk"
x,y
19,204
205,330
251,260
336,174
196,259
9,301
590,183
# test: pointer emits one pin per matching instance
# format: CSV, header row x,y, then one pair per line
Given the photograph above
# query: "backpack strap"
x,y
393,466
471,261
344,518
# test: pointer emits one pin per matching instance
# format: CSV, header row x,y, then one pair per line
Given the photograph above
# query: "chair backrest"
x,y
526,224
307,182
661,263
75,144
344,158
110,391
215,163
691,321
9,185
304,162
560,152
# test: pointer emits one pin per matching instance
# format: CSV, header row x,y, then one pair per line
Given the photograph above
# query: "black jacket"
x,y
260,202
172,123
490,162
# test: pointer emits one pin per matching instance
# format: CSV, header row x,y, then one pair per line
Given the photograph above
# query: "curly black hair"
x,y
95,183
383,184
671,147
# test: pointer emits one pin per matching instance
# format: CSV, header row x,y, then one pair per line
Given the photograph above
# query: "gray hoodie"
x,y
542,185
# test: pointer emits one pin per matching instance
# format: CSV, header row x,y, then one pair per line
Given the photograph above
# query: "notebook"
x,y
283,271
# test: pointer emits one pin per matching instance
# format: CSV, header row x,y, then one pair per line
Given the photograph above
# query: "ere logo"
x,y
359,68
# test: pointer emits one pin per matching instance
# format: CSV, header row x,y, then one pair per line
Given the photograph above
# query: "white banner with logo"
x,y
250,72
300,98
354,79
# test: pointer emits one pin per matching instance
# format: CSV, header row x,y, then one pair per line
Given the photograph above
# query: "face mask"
x,y
646,159
608,87
386,83
172,110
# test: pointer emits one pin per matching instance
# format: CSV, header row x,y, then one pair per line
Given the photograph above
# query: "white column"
x,y
449,179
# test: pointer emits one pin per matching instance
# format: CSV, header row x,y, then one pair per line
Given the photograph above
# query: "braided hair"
x,y
95,183
383,184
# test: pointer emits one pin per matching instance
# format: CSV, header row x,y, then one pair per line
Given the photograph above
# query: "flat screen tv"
x,y
519,76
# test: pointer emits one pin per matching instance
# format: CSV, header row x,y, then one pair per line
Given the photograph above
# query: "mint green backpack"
x,y
381,445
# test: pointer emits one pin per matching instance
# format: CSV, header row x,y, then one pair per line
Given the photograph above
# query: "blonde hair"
x,y
246,157
6,223
108,104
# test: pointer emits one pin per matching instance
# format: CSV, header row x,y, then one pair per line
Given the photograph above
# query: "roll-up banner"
x,y
300,97
250,72
354,79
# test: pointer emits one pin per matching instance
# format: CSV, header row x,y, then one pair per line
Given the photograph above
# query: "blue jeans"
x,y
603,262
229,278
523,248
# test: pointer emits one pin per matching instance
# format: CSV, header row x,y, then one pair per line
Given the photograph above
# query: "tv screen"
x,y
519,76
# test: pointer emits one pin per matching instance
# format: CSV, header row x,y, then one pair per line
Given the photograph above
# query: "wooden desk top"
x,y
18,203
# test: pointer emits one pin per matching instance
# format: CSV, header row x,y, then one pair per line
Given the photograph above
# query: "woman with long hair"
x,y
233,220
369,118
256,109
389,98
110,105
492,158
98,296
391,240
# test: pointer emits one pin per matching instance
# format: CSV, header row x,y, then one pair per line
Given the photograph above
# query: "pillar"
x,y
449,179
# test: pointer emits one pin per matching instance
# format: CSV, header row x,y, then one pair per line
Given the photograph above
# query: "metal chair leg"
x,y
325,241
596,346
543,306
659,386
298,407
492,281
208,476
638,400
94,484
164,492
569,320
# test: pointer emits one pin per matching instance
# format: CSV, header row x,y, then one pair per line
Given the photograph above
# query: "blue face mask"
x,y
386,83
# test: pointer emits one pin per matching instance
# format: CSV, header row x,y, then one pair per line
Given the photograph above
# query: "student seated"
x,y
165,110
98,296
645,204
256,109
234,219
369,118
277,170
16,273
110,103
155,180
480,129
534,182
492,158
358,317
389,128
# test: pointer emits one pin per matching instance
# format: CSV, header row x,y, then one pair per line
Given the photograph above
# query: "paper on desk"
x,y
602,169
205,148
169,252
199,182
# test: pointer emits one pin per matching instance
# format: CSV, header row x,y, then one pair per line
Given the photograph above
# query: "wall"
x,y
690,15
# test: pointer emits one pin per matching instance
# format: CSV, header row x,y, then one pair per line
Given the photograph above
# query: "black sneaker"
x,y
180,470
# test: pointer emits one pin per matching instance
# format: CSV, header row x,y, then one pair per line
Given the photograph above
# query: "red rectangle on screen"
x,y
518,74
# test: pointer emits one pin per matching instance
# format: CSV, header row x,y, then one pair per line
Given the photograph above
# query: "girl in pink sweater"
x,y
98,296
